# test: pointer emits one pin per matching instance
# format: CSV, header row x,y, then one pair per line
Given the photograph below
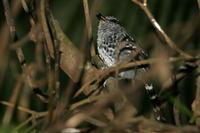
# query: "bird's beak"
x,y
101,17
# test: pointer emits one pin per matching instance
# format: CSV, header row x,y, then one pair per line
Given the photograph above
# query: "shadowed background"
x,y
178,18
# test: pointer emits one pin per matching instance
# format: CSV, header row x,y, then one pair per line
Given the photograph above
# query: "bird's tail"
x,y
155,102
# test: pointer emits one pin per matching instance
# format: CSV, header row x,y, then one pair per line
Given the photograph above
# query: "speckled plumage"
x,y
109,38
115,44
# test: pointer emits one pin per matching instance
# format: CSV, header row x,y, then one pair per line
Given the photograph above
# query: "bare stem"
x,y
13,99
198,1
12,105
103,73
87,19
56,46
162,34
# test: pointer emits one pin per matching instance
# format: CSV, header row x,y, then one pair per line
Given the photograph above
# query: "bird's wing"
x,y
129,48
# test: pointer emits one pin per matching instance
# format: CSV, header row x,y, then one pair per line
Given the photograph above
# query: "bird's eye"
x,y
115,21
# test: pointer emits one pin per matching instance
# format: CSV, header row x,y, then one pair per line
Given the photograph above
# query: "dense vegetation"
x,y
50,76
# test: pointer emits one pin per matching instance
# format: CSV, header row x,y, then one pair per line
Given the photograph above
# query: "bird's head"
x,y
107,19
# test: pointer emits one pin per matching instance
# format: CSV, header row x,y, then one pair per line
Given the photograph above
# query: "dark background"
x,y
177,17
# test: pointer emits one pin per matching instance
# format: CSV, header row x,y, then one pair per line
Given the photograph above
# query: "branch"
x,y
14,37
198,2
101,74
12,105
87,19
56,46
13,99
71,59
163,35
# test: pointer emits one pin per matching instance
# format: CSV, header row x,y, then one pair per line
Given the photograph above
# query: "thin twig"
x,y
20,42
103,73
84,101
12,105
36,36
87,38
4,33
72,59
198,2
87,19
14,37
56,46
182,72
13,99
20,55
45,29
94,8
158,28
55,96
48,62
35,115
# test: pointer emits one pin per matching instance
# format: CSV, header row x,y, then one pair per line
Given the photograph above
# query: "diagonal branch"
x,y
161,32
105,72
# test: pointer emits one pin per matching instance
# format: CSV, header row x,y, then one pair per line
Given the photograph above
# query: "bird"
x,y
114,44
